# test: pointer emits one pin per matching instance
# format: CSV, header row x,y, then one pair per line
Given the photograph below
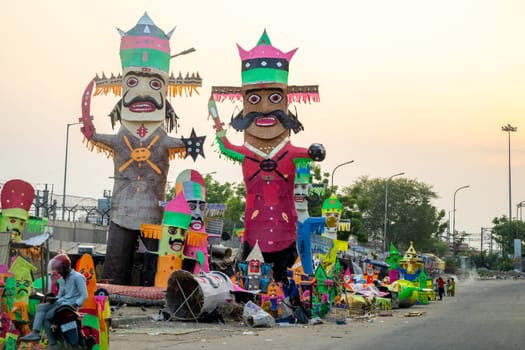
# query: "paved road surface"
x,y
483,315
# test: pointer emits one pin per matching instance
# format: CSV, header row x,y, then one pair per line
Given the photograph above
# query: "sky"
x,y
420,87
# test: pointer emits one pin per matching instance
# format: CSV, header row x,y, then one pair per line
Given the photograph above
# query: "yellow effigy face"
x,y
172,240
13,225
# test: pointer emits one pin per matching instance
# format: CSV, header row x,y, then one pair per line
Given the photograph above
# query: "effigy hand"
x,y
88,129
317,152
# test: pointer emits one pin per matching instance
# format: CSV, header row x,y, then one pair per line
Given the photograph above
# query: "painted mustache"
x,y
172,241
143,100
241,122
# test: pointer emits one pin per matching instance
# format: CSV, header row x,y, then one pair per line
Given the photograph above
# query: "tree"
x,y
458,238
411,216
504,233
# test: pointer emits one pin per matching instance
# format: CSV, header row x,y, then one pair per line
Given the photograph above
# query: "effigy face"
x,y
13,225
197,214
143,95
300,195
85,266
172,241
265,112
23,288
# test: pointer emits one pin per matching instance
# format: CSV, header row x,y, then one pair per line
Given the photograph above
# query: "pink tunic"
x,y
270,215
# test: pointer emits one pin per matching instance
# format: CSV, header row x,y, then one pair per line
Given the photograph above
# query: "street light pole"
x,y
333,171
386,208
454,214
520,208
65,170
508,129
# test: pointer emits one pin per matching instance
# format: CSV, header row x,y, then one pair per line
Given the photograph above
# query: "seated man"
x,y
72,291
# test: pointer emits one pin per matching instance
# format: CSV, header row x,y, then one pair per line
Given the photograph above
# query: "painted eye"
x,y
155,84
254,99
132,81
275,98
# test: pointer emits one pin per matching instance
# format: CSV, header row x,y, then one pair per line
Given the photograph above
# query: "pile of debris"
x,y
486,274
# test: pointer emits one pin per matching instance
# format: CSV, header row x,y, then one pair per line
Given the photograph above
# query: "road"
x,y
483,315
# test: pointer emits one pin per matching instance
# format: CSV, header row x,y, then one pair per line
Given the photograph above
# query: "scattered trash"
x,y
414,314
255,316
316,320
247,333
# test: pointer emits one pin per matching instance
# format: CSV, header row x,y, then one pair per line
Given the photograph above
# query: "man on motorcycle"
x,y
72,291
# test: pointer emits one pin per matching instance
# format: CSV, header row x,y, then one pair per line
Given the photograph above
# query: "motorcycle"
x,y
67,329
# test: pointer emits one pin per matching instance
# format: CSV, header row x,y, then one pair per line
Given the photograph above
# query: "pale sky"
x,y
416,86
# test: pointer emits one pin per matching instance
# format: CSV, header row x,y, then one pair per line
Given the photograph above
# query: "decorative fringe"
x,y
177,86
302,163
222,93
232,155
231,97
196,239
101,148
303,97
296,93
177,152
151,231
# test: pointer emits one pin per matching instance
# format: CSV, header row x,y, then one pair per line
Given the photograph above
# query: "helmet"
x,y
61,260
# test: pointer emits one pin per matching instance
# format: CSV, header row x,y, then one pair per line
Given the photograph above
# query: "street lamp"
x,y
386,208
454,214
333,171
65,170
519,207
508,129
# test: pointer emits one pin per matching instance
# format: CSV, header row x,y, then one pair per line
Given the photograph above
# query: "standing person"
x,y
452,287
441,287
72,291
448,287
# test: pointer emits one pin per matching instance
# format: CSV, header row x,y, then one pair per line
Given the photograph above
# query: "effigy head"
x,y
332,209
145,59
264,91
191,183
177,216
16,197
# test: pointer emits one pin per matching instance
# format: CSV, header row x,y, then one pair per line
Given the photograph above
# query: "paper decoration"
x,y
194,145
86,267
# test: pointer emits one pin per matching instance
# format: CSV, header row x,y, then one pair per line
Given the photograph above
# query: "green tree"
x,y
458,238
504,232
411,215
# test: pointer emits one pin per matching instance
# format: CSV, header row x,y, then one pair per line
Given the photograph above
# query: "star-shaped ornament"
x,y
194,145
